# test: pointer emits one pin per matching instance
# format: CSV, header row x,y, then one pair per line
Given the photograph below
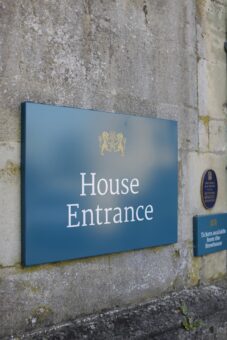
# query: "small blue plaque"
x,y
210,234
209,189
95,183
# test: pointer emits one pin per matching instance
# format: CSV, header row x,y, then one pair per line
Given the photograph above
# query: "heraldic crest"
x,y
112,142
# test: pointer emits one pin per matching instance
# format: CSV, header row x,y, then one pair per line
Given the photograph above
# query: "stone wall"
x,y
212,99
157,58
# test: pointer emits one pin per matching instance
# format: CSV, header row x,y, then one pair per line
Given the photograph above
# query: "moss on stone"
x,y
205,120
42,312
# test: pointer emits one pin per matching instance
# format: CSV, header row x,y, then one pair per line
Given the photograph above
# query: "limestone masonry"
x,y
156,58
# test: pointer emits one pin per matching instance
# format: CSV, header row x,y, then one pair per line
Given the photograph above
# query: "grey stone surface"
x,y
137,57
199,313
113,55
64,291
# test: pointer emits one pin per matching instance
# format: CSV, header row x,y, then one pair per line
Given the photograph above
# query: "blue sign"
x,y
95,183
210,234
209,189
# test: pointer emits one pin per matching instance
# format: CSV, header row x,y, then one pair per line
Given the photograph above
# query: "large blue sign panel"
x,y
210,234
95,183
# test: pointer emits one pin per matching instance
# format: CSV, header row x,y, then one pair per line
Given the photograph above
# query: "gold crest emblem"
x,y
112,142
213,222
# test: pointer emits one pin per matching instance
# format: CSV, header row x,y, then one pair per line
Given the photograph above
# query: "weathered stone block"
x,y
217,135
196,164
213,266
10,240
